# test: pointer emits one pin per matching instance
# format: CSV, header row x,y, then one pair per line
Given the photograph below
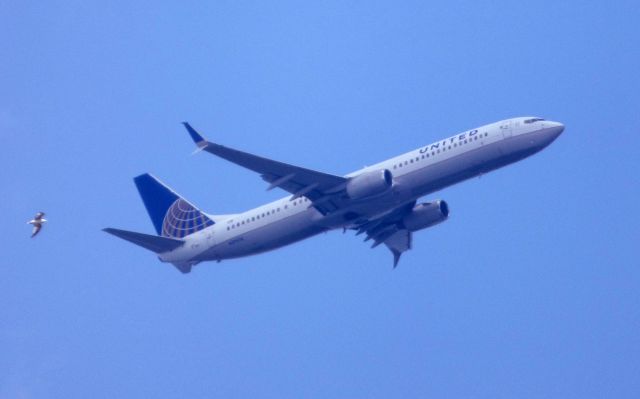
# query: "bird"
x,y
37,223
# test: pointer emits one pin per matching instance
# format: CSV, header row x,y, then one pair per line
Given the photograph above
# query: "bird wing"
x,y
36,229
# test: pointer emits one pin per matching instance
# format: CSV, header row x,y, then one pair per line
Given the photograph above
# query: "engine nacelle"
x,y
369,184
426,215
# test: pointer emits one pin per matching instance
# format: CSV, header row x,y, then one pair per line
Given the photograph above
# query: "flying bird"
x,y
37,223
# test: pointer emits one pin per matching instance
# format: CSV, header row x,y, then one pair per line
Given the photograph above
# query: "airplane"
x,y
379,201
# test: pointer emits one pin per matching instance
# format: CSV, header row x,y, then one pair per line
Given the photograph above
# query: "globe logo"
x,y
183,219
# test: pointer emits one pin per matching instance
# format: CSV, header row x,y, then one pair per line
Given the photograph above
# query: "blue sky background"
x,y
530,290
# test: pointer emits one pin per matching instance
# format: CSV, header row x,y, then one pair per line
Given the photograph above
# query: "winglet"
x,y
396,257
200,141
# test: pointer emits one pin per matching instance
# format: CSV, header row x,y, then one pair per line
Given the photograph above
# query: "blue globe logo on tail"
x,y
172,215
183,219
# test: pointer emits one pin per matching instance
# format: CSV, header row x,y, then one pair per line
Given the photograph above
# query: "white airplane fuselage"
x,y
415,174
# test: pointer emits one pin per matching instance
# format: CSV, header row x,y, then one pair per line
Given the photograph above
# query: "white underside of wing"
x,y
399,241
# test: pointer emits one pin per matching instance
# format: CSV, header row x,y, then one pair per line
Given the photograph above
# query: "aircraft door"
x,y
507,129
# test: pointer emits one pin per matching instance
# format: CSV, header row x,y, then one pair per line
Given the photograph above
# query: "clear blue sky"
x,y
530,290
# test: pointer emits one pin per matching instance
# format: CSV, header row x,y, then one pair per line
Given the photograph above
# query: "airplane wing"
x,y
398,242
321,188
389,230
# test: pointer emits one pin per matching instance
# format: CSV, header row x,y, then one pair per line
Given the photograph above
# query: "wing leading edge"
x,y
319,187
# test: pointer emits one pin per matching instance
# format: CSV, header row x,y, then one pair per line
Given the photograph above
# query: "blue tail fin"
x,y
172,215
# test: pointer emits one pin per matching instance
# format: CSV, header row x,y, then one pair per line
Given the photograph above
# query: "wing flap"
x,y
389,230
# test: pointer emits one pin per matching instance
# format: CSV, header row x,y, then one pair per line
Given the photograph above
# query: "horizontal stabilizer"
x,y
152,243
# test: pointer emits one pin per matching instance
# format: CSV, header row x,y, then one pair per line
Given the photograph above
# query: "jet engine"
x,y
426,215
369,184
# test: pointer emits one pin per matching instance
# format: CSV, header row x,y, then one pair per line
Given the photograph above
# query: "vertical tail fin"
x,y
172,215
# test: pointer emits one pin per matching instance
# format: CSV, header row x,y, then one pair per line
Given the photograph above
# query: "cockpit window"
x,y
533,120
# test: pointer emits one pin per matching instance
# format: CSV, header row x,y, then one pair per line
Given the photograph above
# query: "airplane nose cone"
x,y
551,131
556,128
